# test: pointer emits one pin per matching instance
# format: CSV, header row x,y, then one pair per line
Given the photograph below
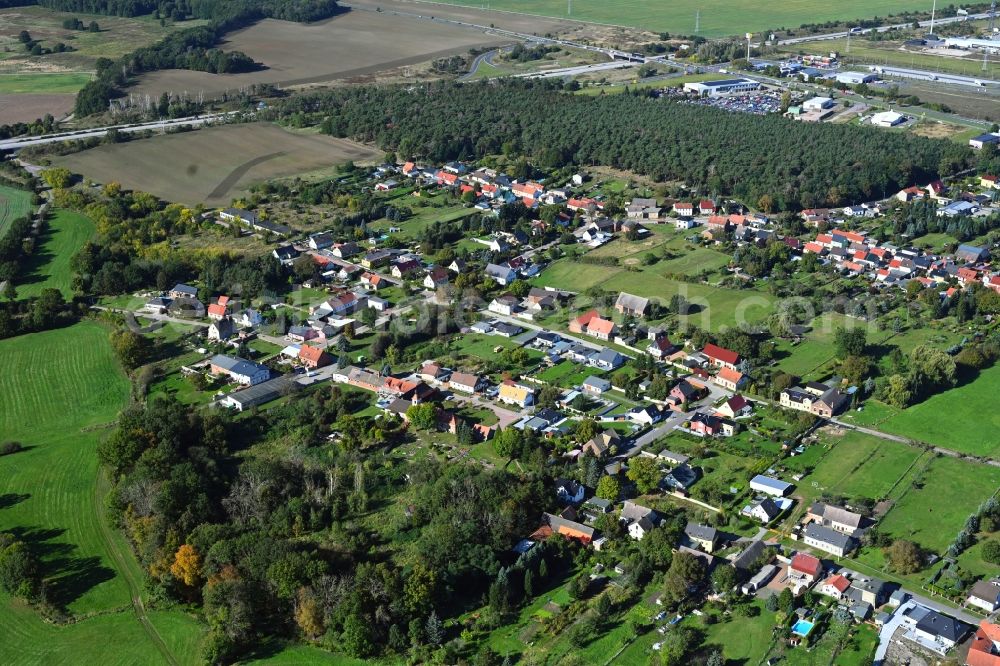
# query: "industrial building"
x,y
722,87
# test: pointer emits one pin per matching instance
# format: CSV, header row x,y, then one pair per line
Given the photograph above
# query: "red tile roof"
x,y
983,651
311,354
838,582
807,564
599,325
721,354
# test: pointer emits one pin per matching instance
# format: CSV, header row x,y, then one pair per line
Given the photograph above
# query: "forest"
x,y
717,152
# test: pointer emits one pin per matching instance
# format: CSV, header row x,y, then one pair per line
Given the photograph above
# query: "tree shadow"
x,y
33,268
67,575
8,500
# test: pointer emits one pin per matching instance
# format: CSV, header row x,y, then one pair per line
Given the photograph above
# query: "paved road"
x,y
194,121
574,71
480,59
884,28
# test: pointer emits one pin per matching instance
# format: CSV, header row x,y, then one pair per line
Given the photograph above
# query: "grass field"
x,y
14,203
45,83
213,165
971,421
49,265
932,512
350,47
718,17
859,465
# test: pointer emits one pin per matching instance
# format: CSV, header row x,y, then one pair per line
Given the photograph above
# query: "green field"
x,y
963,419
859,465
50,494
718,17
933,511
49,265
49,83
14,203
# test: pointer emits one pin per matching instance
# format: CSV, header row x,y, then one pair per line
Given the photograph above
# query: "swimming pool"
x,y
802,628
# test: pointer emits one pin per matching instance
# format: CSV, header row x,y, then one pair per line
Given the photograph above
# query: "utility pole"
x,y
933,11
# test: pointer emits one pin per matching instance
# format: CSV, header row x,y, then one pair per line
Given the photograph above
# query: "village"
x,y
606,382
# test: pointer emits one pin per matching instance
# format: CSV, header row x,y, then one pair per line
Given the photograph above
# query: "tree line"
x,y
796,165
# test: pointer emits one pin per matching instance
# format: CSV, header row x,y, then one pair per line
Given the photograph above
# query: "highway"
x,y
158,125
574,71
884,28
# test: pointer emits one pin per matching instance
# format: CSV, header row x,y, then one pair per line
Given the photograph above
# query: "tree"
x,y
433,629
18,567
850,342
187,565
723,578
308,613
897,391
57,177
423,416
904,556
586,430
131,348
10,291
357,637
715,658
644,473
505,442
609,488
529,584
991,552
685,572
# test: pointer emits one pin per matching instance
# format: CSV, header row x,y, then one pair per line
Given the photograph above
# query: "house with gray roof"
x,y
635,306
828,540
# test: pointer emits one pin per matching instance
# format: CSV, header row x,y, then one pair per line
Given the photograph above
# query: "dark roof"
x,y
936,624
826,535
699,531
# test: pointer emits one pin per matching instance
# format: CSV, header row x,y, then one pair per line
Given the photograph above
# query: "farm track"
x,y
229,182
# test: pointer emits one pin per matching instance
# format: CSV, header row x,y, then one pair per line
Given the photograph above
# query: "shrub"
x,y
8,448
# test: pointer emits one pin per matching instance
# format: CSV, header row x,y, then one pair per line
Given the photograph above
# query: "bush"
x,y
991,552
8,448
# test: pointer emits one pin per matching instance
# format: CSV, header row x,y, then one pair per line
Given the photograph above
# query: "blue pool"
x,y
802,628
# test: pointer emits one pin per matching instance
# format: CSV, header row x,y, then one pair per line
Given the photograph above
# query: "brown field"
x,y
214,165
354,44
22,108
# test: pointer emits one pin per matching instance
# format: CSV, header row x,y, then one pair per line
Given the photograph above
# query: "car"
x,y
660,615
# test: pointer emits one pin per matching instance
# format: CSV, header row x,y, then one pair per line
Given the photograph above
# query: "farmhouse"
x,y
828,540
642,209
239,370
834,517
805,568
634,306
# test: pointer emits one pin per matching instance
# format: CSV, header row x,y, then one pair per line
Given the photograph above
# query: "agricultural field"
x,y
943,496
971,419
14,203
49,265
718,17
350,47
51,495
31,86
213,165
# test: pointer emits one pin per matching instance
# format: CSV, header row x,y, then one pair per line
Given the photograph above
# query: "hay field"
x,y
354,44
213,165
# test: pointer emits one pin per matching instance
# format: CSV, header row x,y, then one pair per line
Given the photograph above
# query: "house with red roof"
x,y
967,275
985,647
805,568
729,379
219,309
834,586
600,328
909,194
579,324
734,407
313,357
684,208
937,190
446,178
409,168
372,281
989,182
706,207
721,357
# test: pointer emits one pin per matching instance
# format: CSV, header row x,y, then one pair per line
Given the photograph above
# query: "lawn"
x,y
574,276
50,496
716,18
567,374
970,424
49,264
933,511
14,203
859,465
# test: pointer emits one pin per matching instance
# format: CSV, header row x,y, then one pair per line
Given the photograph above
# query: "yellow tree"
x,y
187,565
308,614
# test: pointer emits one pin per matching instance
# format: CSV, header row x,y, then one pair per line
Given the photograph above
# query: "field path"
x,y
122,563
229,182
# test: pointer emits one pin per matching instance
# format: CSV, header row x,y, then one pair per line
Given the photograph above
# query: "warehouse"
x,y
856,78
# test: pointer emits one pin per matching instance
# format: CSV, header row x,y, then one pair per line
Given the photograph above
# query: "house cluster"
x,y
824,399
